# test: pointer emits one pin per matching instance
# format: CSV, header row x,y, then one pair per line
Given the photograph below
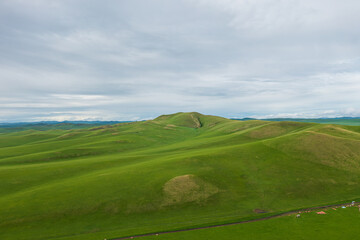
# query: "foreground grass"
x,y
174,172
336,224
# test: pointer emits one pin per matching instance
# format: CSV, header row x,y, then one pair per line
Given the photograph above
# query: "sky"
x,y
138,59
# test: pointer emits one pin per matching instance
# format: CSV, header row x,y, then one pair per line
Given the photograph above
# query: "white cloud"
x,y
275,17
351,112
135,59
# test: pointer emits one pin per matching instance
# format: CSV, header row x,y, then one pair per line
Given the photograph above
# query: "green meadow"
x,y
334,225
176,171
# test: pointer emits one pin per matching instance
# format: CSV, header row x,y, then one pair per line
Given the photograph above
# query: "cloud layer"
x,y
129,60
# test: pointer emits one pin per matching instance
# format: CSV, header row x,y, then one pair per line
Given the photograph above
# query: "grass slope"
x,y
336,224
175,171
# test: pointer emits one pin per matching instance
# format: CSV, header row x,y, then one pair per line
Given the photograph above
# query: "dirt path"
x,y
234,223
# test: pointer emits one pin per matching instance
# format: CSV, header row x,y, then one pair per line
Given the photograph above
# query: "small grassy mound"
x,y
187,188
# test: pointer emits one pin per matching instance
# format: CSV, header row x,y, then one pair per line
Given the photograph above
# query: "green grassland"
x,y
336,224
173,172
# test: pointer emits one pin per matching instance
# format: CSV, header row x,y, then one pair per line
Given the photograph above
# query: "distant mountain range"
x,y
67,125
7,124
48,125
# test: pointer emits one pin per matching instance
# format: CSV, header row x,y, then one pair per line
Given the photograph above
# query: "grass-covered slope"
x,y
335,224
175,171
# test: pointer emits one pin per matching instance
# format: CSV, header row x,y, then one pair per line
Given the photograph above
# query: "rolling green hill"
x,y
176,171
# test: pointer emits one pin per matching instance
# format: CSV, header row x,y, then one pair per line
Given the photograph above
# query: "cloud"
x,y
121,60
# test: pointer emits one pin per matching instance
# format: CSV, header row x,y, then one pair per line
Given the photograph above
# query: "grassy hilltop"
x,y
175,171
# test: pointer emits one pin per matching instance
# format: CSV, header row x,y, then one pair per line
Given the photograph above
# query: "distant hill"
x,y
48,125
176,171
341,121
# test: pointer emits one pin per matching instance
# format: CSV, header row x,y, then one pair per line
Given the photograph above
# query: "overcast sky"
x,y
137,59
